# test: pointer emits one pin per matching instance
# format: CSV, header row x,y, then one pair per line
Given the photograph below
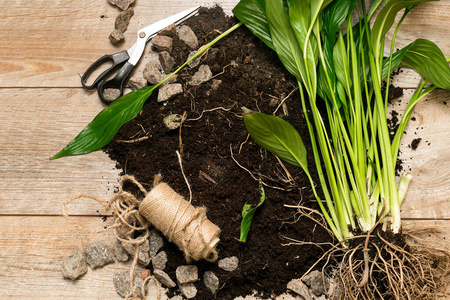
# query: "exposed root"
x,y
392,270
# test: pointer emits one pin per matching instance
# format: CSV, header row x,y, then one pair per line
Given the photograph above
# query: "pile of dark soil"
x,y
252,76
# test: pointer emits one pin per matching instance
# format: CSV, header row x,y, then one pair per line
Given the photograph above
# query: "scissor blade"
x,y
152,29
145,34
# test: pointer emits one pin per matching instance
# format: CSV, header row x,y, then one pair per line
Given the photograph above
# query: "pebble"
x,y
136,83
300,288
186,274
143,257
172,121
98,254
162,43
155,241
123,20
211,281
195,62
186,34
74,265
164,278
119,252
167,62
202,75
151,73
215,84
116,37
188,290
168,92
315,281
170,30
159,261
122,284
229,263
145,273
122,4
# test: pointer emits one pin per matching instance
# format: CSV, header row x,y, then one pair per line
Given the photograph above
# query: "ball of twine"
x,y
183,224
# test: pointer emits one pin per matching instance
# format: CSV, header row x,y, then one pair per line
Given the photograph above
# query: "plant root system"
x,y
391,268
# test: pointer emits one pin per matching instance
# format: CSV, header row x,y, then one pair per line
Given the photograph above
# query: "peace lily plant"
x,y
338,58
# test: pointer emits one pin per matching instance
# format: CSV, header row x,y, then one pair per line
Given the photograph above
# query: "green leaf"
x,y
397,58
427,59
253,14
247,215
277,136
284,39
105,125
342,64
385,20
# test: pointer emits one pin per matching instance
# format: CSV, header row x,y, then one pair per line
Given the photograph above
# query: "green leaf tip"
x,y
247,215
99,132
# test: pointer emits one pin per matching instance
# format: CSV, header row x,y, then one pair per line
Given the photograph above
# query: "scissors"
x,y
127,59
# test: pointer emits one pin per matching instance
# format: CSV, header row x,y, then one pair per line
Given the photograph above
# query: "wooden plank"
x,y
48,43
429,164
35,124
31,256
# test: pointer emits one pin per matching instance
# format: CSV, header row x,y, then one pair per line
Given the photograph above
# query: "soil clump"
x,y
212,141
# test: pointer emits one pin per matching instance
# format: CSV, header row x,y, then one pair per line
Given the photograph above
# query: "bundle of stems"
x,y
337,57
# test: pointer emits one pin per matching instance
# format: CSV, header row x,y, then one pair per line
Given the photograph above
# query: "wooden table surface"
x,y
44,46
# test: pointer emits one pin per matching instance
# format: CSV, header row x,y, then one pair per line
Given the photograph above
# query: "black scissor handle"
x,y
117,59
117,83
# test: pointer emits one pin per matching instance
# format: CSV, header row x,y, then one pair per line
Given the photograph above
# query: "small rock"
x,y
300,288
195,62
168,92
122,4
74,265
143,258
186,274
172,121
98,254
123,20
155,241
116,37
170,30
317,283
162,43
159,261
151,73
202,75
186,34
215,84
145,273
188,290
229,263
122,284
119,252
164,278
136,83
211,281
167,62
177,297
111,94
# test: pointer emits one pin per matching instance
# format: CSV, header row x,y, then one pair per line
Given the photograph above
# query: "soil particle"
x,y
212,129
415,143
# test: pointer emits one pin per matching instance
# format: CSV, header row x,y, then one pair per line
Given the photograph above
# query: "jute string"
x,y
183,224
127,220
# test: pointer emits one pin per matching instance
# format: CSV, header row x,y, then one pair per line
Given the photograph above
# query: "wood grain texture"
x,y
34,125
47,43
428,195
31,256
